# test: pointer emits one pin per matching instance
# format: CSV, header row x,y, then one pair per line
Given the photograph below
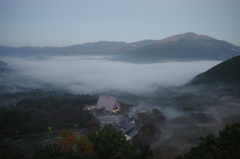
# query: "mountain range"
x,y
182,46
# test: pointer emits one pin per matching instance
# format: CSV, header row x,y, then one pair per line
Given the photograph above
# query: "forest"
x,y
37,115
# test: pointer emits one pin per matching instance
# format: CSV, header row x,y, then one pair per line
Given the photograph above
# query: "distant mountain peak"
x,y
188,35
191,35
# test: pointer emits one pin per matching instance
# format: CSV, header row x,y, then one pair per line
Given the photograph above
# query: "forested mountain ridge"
x,y
223,79
227,72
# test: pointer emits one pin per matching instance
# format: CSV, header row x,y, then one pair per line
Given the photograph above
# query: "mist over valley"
x,y
145,79
98,74
170,100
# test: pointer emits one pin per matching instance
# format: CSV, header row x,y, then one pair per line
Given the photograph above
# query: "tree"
x,y
226,146
142,139
67,143
137,141
84,145
144,118
156,112
70,140
112,144
64,133
49,151
152,128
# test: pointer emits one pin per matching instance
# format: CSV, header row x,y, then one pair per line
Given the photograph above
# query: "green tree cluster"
x,y
33,115
226,146
53,102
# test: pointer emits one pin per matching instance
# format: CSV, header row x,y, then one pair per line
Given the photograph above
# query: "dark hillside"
x,y
225,72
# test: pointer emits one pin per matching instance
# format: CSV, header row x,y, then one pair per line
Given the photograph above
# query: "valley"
x,y
169,103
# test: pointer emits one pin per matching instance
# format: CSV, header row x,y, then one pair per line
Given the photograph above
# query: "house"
x,y
125,125
128,128
109,104
90,106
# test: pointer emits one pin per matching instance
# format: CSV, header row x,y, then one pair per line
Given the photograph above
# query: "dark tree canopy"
x,y
112,144
34,115
107,144
226,146
156,112
152,128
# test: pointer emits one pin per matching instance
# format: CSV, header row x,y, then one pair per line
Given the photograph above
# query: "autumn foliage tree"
x,y
71,139
64,133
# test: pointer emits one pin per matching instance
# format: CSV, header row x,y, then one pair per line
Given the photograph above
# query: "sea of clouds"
x,y
93,74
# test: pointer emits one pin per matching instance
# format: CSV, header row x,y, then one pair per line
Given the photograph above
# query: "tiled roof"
x,y
132,133
125,124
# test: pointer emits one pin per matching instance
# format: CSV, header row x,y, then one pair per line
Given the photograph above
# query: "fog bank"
x,y
93,74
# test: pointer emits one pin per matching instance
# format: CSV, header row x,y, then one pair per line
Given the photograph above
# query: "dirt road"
x,y
166,134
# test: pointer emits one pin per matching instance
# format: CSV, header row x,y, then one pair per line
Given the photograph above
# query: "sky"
x,y
68,22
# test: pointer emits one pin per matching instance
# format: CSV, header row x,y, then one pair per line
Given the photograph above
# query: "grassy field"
x,y
24,145
5,151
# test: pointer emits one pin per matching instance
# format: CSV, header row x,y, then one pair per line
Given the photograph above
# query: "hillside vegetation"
x,y
225,72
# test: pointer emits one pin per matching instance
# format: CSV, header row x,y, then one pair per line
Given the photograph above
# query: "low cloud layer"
x,y
93,74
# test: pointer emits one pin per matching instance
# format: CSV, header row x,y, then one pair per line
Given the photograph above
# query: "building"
x,y
128,128
109,104
124,125
90,106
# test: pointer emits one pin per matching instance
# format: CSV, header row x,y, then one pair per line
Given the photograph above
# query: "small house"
x,y
90,106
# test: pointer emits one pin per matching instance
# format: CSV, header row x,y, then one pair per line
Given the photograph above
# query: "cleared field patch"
x,y
23,145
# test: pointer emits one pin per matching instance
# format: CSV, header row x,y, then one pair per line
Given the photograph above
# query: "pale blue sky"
x,y
69,22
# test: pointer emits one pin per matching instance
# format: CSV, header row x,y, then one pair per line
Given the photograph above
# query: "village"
x,y
133,124
107,111
141,125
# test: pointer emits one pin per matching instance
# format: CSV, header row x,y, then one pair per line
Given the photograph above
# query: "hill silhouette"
x,y
226,72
